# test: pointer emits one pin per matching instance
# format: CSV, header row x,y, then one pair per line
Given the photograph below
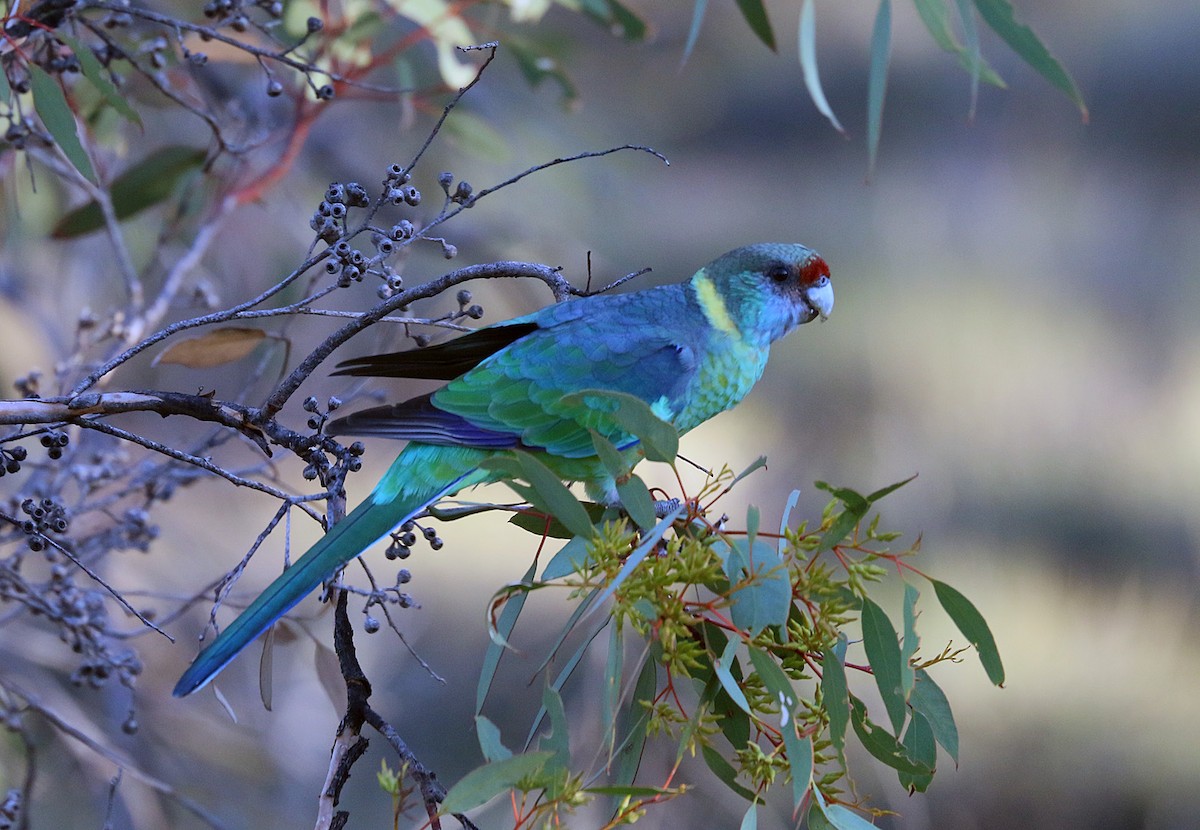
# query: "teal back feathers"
x,y
690,350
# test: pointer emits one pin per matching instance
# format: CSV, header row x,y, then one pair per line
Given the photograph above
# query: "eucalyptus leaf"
x,y
808,64
835,695
52,107
145,184
931,703
999,15
755,14
881,51
499,638
482,784
974,627
883,653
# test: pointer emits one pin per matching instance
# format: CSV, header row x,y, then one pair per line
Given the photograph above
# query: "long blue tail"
x,y
391,504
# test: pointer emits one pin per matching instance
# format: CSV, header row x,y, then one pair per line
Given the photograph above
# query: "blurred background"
x,y
1015,323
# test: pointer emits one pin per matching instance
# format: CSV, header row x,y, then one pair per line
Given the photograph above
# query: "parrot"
x,y
689,350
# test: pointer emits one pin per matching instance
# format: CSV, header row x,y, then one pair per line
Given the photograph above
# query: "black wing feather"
x,y
443,361
418,419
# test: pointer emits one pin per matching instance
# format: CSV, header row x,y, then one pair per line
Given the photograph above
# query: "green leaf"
x,y
539,524
777,683
880,743
815,819
659,439
152,180
614,668
482,784
792,500
490,744
637,501
614,463
558,741
930,702
835,695
883,653
5,89
842,818
887,491
567,628
616,16
998,14
881,50
756,16
750,820
973,626
556,496
90,66
499,639
918,743
935,15
800,763
911,641
765,599
637,716
724,772
759,463
690,730
936,18
545,492
694,30
753,520
856,507
571,558
732,720
537,66
635,496
973,52
808,64
560,680
823,816
52,108
724,671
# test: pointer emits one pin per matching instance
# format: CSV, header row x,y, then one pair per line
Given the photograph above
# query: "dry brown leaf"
x,y
216,348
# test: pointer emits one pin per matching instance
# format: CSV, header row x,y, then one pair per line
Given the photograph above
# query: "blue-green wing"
x,y
645,344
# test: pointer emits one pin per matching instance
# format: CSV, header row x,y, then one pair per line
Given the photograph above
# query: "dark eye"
x,y
779,272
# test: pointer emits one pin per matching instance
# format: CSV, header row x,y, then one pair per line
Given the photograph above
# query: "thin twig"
x,y
470,202
491,50
202,463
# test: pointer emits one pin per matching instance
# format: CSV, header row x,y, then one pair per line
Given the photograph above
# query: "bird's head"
x,y
767,290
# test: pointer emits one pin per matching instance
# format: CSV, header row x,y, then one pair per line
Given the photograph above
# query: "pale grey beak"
x,y
820,298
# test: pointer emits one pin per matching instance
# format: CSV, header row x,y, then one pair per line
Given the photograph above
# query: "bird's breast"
x,y
725,376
